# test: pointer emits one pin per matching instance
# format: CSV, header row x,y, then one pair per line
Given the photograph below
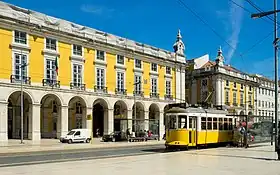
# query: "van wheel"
x,y
87,140
70,141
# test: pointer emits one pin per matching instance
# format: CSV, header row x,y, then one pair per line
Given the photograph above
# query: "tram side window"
x,y
203,123
225,124
209,123
182,121
230,124
215,123
221,127
190,123
172,122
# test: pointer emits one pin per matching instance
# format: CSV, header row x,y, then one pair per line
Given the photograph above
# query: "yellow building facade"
x,y
214,83
78,77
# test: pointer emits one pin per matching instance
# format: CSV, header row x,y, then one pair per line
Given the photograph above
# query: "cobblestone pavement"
x,y
255,161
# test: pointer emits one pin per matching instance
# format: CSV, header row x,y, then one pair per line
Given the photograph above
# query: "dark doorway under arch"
x,y
98,120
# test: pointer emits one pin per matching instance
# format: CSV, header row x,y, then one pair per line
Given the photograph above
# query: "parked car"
x,y
114,136
77,135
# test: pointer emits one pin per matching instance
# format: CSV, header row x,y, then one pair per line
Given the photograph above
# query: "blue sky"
x,y
156,23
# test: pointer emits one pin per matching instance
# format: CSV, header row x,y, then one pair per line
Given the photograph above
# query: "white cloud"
x,y
95,9
235,18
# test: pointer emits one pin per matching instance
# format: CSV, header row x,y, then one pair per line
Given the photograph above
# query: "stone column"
x,y
161,125
89,119
146,121
218,91
34,122
109,121
3,123
62,128
129,119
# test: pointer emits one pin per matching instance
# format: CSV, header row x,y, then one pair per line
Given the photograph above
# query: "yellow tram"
x,y
191,126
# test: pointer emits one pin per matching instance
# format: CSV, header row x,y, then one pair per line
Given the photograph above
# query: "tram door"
x,y
192,130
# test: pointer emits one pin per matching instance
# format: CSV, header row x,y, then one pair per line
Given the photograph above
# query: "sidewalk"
x,y
14,146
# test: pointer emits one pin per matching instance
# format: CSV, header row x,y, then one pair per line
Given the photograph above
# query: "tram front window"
x,y
182,121
172,122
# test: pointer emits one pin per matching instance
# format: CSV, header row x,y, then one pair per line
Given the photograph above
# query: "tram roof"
x,y
195,110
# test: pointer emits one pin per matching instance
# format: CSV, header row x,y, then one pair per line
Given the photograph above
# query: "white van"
x,y
77,135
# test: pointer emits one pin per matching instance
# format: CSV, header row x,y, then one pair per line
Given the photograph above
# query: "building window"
x,y
259,103
138,64
20,37
234,84
77,74
120,81
241,98
20,59
154,67
241,86
137,79
227,83
120,59
154,85
227,97
168,70
259,90
77,50
250,99
204,83
168,87
100,79
50,69
250,88
50,44
234,98
100,55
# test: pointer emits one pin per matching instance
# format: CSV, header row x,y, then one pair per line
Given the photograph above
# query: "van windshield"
x,y
71,133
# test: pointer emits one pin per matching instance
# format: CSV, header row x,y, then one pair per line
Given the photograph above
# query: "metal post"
x,y
21,102
276,81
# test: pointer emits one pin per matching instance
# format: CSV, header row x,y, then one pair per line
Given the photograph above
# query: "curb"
x,y
57,149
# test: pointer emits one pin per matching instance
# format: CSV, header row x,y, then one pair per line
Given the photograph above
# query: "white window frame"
x,y
47,57
138,67
72,51
56,43
227,97
14,37
105,56
72,70
124,78
16,51
151,91
170,86
101,67
142,78
166,70
151,65
117,60
234,99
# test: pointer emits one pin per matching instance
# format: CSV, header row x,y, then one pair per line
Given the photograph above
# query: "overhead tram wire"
x,y
248,11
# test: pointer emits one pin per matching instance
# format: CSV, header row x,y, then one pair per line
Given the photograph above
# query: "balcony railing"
x,y
234,104
168,97
17,79
121,91
242,105
154,95
102,89
138,93
51,83
78,86
250,106
227,103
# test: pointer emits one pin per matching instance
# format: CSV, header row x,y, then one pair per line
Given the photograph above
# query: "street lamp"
x,y
275,43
